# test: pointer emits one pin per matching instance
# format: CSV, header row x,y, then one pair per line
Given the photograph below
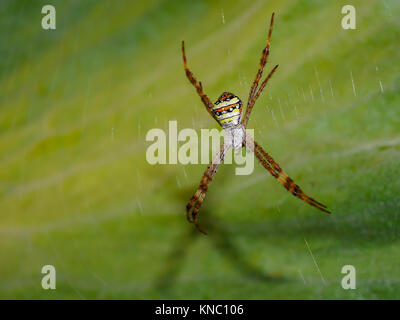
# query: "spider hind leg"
x,y
194,204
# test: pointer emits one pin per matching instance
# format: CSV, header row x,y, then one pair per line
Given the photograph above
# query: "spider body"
x,y
227,111
235,136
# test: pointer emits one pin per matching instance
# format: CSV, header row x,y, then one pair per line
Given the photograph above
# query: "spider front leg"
x,y
199,87
254,98
256,90
193,206
263,61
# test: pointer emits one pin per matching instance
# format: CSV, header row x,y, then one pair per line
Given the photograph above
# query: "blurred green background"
x,y
76,191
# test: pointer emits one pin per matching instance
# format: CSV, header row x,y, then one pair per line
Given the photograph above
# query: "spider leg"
x,y
263,61
193,206
255,97
199,87
276,171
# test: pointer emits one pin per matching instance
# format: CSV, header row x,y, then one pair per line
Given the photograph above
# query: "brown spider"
x,y
227,111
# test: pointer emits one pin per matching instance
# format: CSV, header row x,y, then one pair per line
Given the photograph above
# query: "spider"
x,y
227,111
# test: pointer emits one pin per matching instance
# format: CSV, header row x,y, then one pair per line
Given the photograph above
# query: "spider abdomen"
x,y
228,109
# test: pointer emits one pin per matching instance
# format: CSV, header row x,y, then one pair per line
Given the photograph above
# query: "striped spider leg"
x,y
226,112
196,201
275,170
265,159
199,87
254,93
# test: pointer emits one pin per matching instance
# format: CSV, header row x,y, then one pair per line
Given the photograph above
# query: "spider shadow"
x,y
221,239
